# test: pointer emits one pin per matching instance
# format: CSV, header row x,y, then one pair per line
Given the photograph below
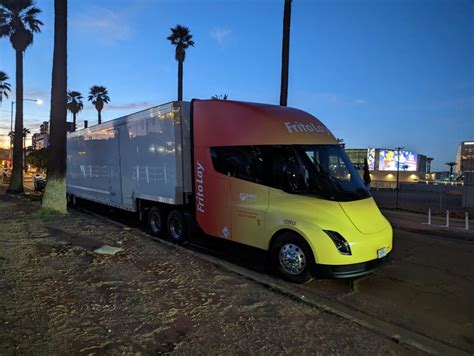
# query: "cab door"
x,y
248,212
244,167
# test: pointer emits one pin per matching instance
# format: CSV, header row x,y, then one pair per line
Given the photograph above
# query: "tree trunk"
x,y
74,121
285,54
55,194
180,80
99,114
16,182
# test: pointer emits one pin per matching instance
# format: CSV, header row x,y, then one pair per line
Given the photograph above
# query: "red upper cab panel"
x,y
231,123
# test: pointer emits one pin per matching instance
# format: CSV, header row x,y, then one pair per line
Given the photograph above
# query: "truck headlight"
x,y
341,244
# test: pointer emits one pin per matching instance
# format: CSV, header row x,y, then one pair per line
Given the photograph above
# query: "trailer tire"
x,y
177,228
292,257
155,221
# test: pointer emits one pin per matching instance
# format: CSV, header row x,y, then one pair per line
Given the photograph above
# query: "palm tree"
x,y
220,97
26,132
74,105
99,95
451,165
4,86
54,198
182,39
285,53
18,22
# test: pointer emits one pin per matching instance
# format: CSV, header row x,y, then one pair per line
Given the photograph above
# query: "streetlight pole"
x,y
37,101
398,173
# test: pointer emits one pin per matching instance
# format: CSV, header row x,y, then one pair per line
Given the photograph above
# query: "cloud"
x,y
360,101
129,106
220,35
106,25
126,106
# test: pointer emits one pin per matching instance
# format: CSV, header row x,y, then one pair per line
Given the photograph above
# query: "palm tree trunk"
x,y
74,121
285,54
99,113
180,80
55,193
16,182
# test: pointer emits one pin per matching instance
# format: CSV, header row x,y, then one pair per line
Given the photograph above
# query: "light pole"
x,y
37,101
398,173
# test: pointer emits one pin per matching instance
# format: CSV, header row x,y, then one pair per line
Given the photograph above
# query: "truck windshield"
x,y
323,170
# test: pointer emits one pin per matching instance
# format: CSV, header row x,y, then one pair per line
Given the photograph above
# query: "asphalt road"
x,y
428,288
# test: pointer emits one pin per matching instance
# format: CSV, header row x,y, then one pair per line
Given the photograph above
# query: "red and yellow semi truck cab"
x,y
277,179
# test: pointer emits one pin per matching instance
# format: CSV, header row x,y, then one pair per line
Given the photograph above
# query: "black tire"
x,y
177,227
155,221
293,249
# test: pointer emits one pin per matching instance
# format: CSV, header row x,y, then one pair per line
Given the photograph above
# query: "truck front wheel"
x,y
292,257
177,229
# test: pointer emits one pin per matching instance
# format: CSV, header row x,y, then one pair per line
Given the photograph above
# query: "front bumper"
x,y
349,271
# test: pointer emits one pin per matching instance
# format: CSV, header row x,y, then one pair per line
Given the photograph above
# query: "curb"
x,y
295,292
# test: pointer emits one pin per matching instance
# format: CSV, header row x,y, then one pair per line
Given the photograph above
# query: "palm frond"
x,y
98,93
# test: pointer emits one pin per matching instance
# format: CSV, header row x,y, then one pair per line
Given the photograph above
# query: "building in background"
x,y
383,166
465,168
465,158
41,140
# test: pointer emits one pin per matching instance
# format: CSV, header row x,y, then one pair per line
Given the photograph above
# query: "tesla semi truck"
x,y
266,176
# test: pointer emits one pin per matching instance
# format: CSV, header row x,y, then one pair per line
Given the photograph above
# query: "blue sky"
x,y
381,73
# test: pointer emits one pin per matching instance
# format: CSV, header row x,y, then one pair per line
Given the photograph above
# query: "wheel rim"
x,y
176,230
292,259
155,223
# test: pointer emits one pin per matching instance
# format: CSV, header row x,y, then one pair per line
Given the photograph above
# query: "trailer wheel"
x,y
155,222
177,229
292,257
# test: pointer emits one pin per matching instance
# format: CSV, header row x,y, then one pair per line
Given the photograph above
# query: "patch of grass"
x,y
274,288
47,212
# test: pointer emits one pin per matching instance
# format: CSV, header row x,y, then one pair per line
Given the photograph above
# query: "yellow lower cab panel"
x,y
360,223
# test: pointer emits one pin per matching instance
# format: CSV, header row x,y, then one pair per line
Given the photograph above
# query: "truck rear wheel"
x,y
292,257
177,229
155,222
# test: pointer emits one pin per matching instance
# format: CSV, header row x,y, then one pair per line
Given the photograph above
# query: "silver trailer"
x,y
142,157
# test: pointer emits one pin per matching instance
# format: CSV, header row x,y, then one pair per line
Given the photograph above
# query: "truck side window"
x,y
243,162
285,164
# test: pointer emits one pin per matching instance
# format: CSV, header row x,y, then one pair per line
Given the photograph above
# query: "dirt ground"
x,y
57,296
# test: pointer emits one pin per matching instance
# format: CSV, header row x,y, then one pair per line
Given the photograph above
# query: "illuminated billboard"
x,y
388,160
371,158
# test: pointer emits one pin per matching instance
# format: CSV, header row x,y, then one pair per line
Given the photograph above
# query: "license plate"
x,y
381,252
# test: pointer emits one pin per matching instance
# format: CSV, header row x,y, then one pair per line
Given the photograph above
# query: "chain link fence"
x,y
421,197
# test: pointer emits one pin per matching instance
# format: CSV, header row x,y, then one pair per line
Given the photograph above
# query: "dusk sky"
x,y
382,73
